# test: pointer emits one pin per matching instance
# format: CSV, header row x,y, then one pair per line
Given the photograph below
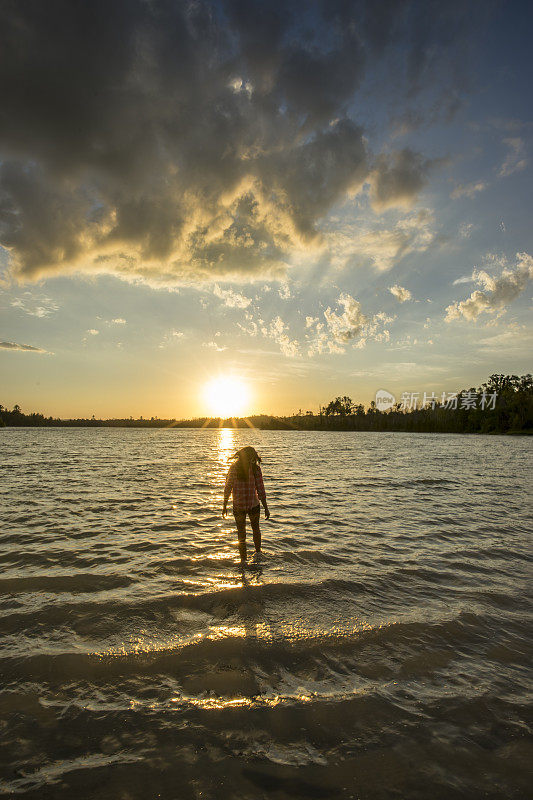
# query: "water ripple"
x,y
388,624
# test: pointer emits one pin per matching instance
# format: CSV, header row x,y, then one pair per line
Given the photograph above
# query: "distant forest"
x,y
502,405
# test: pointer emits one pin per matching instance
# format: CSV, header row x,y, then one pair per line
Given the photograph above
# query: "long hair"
x,y
245,457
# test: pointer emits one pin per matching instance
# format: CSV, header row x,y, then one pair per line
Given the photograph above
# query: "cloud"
x,y
515,160
251,327
231,298
90,332
27,348
496,294
214,346
170,338
465,230
463,279
319,340
182,142
385,246
468,189
277,330
110,323
346,324
327,334
399,369
397,179
400,293
513,337
35,306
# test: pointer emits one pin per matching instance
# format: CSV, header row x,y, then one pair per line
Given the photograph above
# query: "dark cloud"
x,y
178,141
25,347
398,178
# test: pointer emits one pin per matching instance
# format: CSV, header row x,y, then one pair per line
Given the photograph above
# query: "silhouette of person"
x,y
245,480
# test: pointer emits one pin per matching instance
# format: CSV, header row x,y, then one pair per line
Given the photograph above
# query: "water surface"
x,y
381,650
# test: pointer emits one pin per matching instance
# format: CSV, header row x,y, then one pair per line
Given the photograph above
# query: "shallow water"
x,y
381,649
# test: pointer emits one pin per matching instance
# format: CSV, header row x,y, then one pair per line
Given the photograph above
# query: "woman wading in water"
x,y
245,480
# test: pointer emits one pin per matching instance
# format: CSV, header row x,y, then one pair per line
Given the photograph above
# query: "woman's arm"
x,y
228,488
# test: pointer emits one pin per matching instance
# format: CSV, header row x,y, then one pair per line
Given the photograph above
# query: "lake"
x,y
382,648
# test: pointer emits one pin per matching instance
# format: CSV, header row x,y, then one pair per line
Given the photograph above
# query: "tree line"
x,y
504,404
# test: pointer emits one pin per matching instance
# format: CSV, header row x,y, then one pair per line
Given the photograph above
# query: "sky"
x,y
310,198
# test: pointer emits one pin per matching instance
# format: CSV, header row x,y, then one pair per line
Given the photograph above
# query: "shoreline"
x,y
76,424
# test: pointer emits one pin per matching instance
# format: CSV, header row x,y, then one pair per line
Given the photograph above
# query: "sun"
x,y
226,396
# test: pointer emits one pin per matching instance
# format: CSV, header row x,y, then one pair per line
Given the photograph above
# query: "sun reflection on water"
x,y
226,444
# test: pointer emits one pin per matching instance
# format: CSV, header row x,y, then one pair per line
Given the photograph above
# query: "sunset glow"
x,y
266,202
226,396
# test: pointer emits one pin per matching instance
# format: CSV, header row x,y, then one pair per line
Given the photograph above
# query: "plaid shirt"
x,y
246,494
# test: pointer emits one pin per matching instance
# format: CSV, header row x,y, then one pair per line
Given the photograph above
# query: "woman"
x,y
245,480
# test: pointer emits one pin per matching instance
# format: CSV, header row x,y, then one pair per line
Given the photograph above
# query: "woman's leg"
x,y
240,521
254,520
